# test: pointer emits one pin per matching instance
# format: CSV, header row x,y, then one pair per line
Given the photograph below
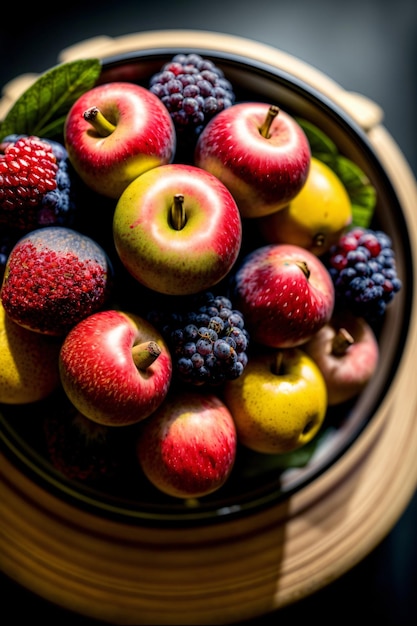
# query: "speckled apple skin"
x,y
282,307
263,174
348,374
187,449
144,136
177,262
99,375
28,363
54,277
271,411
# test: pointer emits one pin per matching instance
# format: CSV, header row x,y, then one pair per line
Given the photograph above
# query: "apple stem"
x,y
277,365
319,240
178,212
341,342
270,116
101,124
144,354
304,268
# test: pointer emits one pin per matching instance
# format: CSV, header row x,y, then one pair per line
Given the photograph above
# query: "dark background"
x,y
366,46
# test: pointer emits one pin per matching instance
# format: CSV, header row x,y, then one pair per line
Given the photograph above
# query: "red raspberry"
x,y
28,171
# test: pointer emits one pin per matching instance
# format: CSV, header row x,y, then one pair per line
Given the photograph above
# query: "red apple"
x,y
115,368
285,294
347,353
177,229
115,132
260,153
187,448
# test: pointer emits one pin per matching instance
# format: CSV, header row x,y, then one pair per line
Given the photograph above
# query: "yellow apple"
x,y
28,363
279,402
317,216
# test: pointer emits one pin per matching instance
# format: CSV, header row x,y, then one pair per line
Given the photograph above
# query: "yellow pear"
x,y
28,363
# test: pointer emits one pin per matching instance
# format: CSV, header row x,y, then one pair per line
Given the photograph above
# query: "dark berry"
x,y
207,340
193,89
363,269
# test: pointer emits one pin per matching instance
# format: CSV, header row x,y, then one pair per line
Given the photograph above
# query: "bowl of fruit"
x,y
206,310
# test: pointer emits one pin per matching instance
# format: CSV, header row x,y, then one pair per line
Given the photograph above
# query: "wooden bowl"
x,y
281,537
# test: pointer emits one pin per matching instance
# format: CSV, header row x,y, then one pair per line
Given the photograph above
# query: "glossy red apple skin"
x,y
263,174
187,448
170,261
282,307
144,136
98,373
348,373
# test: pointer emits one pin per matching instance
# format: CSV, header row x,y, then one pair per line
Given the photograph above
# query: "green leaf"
x,y
257,464
320,143
41,110
361,192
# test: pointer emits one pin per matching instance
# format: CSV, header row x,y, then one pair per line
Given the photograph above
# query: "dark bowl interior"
x,y
257,480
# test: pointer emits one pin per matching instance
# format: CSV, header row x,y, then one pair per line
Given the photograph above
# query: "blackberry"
x,y
193,90
363,269
207,339
35,183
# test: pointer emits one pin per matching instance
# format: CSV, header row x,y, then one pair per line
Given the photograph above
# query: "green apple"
x,y
279,402
177,229
28,363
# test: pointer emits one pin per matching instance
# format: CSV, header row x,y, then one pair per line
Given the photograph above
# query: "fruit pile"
x,y
185,266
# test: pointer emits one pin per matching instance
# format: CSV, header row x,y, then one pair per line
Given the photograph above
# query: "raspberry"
x,y
363,269
35,183
193,90
207,339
